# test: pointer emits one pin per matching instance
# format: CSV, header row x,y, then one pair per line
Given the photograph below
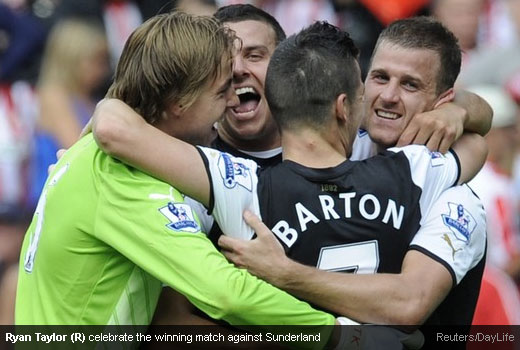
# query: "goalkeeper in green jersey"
x,y
105,237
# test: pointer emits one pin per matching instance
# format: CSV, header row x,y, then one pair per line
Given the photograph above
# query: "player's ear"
x,y
446,96
342,108
175,110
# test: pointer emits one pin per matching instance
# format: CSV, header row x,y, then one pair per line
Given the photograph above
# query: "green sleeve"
x,y
131,219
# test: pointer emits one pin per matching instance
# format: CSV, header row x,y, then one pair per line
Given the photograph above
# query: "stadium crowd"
x,y
58,57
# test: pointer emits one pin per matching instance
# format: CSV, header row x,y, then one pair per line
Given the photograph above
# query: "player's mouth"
x,y
249,102
387,114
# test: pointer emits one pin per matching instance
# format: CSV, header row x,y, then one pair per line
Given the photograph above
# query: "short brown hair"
x,y
427,33
306,74
246,12
170,58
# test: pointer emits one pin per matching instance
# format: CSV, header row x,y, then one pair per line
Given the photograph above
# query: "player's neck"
x,y
309,148
381,148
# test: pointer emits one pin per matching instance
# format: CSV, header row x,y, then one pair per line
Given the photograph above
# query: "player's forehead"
x,y
254,33
418,63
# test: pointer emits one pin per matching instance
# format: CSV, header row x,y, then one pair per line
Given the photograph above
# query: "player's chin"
x,y
384,138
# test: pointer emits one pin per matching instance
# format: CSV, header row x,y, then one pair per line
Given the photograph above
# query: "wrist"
x,y
454,109
286,271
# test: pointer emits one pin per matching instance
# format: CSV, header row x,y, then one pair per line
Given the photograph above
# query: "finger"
x,y
408,135
256,224
449,138
50,168
445,145
232,257
422,137
434,142
227,243
60,153
249,217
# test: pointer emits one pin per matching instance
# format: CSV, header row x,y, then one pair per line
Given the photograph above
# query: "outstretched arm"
x,y
439,128
124,134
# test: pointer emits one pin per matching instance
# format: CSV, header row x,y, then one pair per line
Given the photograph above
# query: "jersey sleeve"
x,y
234,183
432,172
454,231
148,223
206,220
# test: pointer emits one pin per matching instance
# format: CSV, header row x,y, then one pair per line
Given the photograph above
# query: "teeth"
x,y
242,112
244,90
387,115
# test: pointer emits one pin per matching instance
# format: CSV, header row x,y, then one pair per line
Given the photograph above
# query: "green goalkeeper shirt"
x,y
104,239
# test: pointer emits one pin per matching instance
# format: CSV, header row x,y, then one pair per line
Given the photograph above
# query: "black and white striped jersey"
x,y
360,216
331,218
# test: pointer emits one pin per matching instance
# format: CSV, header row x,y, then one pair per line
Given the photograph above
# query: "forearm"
x,y
224,292
364,298
471,150
407,298
243,300
478,112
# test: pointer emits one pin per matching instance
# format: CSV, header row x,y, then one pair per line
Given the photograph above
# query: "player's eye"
x,y
411,86
380,78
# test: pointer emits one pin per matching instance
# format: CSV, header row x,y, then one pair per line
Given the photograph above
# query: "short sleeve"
x,y
234,184
454,231
432,172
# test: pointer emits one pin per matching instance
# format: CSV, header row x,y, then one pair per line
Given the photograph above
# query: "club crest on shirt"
x,y
234,172
181,217
459,221
437,159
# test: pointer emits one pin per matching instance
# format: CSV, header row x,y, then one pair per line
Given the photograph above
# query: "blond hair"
x,y
69,42
170,58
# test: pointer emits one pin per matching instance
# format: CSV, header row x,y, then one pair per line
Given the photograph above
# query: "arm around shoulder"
x,y
479,112
115,127
407,298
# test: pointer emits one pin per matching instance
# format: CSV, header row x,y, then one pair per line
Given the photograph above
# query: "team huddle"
x,y
224,145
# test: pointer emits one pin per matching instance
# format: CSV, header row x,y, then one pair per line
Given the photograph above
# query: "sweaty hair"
x,y
307,72
427,33
244,12
170,58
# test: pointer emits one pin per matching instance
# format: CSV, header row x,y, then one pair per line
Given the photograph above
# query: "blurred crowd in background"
x,y
57,58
